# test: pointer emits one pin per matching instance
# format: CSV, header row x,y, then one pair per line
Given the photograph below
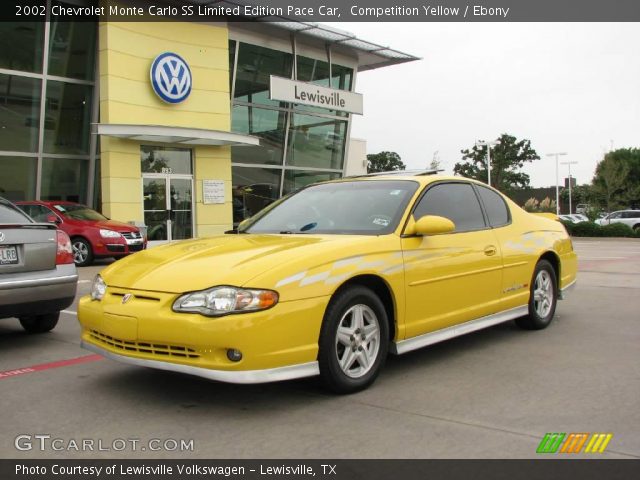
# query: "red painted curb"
x,y
46,366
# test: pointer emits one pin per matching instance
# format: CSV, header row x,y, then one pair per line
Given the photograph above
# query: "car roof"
x,y
422,176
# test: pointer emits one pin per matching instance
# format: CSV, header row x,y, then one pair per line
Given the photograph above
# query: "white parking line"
x,y
85,281
601,258
69,312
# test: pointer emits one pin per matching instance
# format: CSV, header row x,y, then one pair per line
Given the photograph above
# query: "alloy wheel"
x,y
357,341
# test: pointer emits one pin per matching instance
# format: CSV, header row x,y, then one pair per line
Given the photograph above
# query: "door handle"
x,y
490,250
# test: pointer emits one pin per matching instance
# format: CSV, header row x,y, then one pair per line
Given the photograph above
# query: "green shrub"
x,y
568,226
587,229
617,230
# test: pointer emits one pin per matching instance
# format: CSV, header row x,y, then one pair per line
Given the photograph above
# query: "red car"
x,y
92,234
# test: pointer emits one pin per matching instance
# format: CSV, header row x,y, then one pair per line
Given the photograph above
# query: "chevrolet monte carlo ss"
x,y
330,279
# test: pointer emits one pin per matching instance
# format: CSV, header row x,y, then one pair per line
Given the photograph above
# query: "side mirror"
x,y
53,219
433,225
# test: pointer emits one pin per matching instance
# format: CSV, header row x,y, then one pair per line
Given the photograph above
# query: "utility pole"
x,y
569,164
557,180
489,144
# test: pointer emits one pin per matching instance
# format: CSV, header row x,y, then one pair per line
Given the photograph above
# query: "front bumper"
x,y
276,344
244,376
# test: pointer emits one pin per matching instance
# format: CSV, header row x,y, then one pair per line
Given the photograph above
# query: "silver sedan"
x,y
37,275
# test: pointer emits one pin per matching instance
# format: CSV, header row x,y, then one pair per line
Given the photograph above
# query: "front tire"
x,y
40,323
543,298
82,252
354,340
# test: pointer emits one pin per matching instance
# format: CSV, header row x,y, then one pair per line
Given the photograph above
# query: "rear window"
x,y
10,214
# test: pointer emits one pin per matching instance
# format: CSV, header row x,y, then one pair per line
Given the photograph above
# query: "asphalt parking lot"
x,y
491,394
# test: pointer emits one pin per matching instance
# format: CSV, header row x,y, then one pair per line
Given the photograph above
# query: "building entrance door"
x,y
167,194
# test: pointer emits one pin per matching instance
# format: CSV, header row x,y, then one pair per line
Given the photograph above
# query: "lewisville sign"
x,y
304,93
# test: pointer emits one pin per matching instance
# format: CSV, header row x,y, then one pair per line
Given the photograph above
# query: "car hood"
x,y
108,224
229,260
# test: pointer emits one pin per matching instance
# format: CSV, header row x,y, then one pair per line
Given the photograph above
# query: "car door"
x,y
455,277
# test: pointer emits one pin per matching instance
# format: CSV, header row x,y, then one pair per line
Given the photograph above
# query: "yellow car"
x,y
329,280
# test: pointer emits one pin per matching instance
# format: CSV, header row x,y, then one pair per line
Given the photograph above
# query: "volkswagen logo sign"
x,y
1,237
171,77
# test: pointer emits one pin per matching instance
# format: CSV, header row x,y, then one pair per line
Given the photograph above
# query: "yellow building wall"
x,y
126,52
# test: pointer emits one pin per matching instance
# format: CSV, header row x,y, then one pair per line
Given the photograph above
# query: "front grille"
x,y
136,248
143,347
132,235
115,248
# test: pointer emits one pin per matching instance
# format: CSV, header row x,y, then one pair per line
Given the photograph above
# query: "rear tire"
x,y
354,340
542,299
40,323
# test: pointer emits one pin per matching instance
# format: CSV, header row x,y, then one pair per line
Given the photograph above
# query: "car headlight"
x,y
98,288
218,301
109,233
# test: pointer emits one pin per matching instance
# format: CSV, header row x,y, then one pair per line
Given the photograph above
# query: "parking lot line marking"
x,y
70,312
85,281
46,366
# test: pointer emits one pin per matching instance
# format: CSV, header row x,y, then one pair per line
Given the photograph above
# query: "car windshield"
x,y
79,212
371,207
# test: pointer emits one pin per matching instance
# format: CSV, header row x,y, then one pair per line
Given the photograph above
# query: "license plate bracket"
x,y
9,255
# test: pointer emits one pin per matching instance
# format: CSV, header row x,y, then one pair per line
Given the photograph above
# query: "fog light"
x,y
234,355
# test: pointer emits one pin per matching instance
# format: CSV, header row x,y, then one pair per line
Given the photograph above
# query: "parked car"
x,y
567,218
330,279
92,234
579,217
628,217
37,274
582,208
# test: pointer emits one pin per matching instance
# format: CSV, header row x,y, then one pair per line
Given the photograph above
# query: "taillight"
x,y
64,253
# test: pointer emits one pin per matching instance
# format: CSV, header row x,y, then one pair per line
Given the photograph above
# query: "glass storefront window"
x,y
253,189
269,125
313,71
72,49
167,160
296,179
67,118
255,65
22,46
18,178
316,142
19,113
232,59
341,77
64,179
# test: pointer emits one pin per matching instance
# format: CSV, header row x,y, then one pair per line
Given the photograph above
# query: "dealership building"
x,y
184,127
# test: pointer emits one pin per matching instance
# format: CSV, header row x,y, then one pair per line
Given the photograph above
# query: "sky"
x,y
567,87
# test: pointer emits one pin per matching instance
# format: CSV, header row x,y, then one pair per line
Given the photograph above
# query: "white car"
x,y
628,217
579,217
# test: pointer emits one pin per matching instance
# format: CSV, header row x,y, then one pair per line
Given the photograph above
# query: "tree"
x,y
435,161
507,159
384,162
616,182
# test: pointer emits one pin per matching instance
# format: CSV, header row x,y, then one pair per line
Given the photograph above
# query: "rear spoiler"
x,y
550,216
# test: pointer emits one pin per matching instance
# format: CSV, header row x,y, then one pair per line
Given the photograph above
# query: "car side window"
x,y
455,201
495,206
615,215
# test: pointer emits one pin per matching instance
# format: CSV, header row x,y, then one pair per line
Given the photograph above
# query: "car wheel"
x,y
354,340
636,228
82,253
543,298
40,323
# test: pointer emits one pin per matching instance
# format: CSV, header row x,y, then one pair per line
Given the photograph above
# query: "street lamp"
x,y
569,164
481,143
557,180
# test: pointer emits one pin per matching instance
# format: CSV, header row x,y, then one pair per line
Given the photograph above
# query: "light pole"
x,y
557,180
569,164
481,143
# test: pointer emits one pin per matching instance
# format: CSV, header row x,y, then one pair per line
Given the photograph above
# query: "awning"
x,y
175,135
